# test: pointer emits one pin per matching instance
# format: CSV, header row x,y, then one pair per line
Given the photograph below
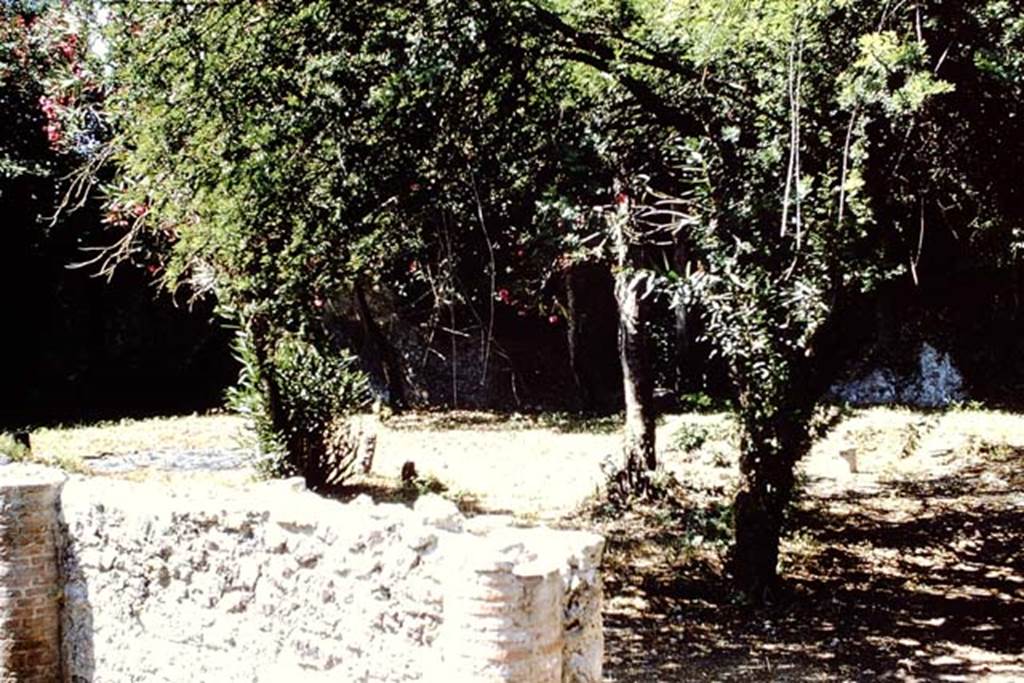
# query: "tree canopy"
x,y
766,165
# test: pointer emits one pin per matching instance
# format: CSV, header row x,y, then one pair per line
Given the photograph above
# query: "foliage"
x,y
771,164
700,402
12,449
795,150
19,89
341,152
412,489
312,436
690,437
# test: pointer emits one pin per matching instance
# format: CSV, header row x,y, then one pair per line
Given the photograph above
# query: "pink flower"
x,y
503,295
318,302
553,319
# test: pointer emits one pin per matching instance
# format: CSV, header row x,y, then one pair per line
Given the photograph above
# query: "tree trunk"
x,y
767,462
381,354
682,382
638,383
774,440
573,331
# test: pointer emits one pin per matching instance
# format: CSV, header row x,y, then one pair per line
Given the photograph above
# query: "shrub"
x,y
12,450
301,402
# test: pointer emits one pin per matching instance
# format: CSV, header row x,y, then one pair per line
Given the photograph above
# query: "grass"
x,y
479,420
73,447
19,453
186,433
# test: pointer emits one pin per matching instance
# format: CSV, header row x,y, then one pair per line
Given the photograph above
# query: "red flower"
x,y
622,198
503,295
553,319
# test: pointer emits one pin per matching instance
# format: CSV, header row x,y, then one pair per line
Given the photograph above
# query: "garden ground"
x,y
905,562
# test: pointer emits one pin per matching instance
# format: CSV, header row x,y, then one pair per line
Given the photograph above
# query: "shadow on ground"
x,y
911,581
384,490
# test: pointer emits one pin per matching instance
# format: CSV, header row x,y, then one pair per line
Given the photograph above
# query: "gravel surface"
x,y
170,460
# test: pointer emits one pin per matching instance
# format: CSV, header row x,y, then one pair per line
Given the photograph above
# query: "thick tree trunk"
x,y
767,462
773,443
638,383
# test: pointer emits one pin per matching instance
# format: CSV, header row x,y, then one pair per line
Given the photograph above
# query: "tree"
x,y
285,158
80,347
764,125
371,147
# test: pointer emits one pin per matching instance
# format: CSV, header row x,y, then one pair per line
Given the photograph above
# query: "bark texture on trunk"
x,y
776,435
637,381
767,462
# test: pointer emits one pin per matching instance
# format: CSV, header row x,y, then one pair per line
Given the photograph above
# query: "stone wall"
x,y
935,383
271,583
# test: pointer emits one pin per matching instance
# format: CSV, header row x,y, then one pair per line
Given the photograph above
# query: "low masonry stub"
x,y
30,586
522,604
270,583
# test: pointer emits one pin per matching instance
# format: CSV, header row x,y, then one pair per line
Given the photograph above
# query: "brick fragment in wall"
x,y
270,583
